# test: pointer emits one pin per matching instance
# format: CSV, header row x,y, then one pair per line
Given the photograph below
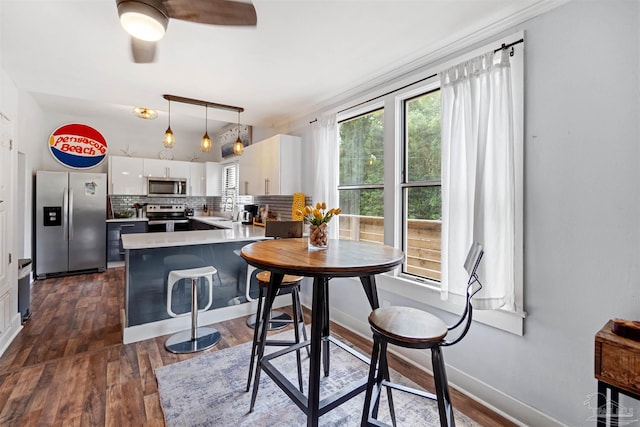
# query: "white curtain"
x,y
478,181
324,158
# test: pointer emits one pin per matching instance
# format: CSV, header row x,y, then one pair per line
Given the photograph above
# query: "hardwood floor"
x,y
68,367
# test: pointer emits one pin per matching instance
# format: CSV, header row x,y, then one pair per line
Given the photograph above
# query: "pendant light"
x,y
169,140
205,143
238,146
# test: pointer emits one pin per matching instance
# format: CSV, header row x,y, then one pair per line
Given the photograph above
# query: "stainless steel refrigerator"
x,y
71,213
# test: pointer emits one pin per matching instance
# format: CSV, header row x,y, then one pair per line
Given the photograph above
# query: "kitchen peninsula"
x,y
149,258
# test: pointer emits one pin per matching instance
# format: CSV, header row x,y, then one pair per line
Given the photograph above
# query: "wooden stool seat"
x,y
408,325
264,278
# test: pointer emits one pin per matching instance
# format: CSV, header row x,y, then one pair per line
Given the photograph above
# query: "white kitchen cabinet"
x,y
197,180
126,175
249,171
158,168
213,179
272,166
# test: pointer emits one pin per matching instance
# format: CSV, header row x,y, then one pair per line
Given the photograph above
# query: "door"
x,y
87,221
5,203
51,224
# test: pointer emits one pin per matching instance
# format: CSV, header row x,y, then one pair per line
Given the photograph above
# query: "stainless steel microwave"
x,y
166,187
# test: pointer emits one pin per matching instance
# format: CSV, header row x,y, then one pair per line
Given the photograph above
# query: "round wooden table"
x,y
342,258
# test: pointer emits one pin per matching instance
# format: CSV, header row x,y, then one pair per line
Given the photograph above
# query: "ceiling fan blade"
x,y
142,50
215,12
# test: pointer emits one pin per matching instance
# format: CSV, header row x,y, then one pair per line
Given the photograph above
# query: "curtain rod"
x,y
503,47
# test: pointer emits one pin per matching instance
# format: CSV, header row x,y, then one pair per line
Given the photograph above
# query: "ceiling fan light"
x,y
142,20
169,139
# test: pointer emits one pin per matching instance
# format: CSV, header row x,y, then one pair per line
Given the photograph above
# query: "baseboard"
x,y
11,333
513,409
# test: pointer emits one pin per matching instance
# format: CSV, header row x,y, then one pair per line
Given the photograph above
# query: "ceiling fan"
x,y
147,20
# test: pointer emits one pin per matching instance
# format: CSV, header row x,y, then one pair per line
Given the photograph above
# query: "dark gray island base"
x,y
148,260
147,277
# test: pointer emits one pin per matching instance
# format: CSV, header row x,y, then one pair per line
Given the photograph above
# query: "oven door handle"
x,y
164,221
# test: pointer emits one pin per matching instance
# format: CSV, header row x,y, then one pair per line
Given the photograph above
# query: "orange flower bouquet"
x,y
318,218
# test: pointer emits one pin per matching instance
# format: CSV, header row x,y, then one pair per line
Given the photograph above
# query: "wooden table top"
x,y
343,258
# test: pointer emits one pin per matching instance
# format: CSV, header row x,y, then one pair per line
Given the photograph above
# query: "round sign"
x,y
78,146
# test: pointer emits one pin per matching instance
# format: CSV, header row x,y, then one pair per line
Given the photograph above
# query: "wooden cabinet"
x,y
617,360
115,252
197,180
272,166
617,369
126,175
213,179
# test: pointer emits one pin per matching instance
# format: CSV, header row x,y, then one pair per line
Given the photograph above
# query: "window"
x,y
361,186
229,181
390,182
422,202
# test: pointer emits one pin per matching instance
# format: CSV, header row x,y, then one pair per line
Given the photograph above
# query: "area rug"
x,y
209,390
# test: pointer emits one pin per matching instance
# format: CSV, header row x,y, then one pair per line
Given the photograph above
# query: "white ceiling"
x,y
73,56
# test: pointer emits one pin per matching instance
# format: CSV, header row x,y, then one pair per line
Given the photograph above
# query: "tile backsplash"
x,y
280,206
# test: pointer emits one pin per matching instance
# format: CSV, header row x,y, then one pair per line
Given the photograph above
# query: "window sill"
x,y
424,293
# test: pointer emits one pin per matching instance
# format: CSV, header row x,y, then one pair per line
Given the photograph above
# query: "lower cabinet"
x,y
115,252
199,225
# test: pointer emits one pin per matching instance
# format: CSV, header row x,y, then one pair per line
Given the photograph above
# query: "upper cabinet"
x,y
213,179
272,166
197,180
126,175
158,168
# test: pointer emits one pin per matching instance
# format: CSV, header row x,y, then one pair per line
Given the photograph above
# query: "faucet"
x,y
230,205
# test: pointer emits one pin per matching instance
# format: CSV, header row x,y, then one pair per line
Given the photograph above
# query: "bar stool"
x,y
289,284
279,319
197,338
409,327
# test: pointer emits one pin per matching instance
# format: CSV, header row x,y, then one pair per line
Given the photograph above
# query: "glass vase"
x,y
318,236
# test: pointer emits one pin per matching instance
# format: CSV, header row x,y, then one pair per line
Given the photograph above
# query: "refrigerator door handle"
x,y
70,213
65,213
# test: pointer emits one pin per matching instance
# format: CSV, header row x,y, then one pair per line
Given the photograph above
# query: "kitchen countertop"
x,y
131,219
234,231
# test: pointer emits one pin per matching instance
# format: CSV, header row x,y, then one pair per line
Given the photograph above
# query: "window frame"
x,y
426,291
404,185
353,114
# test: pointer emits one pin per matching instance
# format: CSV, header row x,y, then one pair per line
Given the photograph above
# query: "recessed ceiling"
x,y
74,55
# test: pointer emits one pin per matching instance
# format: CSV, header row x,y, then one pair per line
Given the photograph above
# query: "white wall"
x,y
582,213
143,138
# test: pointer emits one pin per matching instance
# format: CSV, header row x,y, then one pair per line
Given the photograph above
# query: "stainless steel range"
x,y
167,218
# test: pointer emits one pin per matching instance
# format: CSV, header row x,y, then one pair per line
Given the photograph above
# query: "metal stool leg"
x,y
256,332
296,331
196,338
442,389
